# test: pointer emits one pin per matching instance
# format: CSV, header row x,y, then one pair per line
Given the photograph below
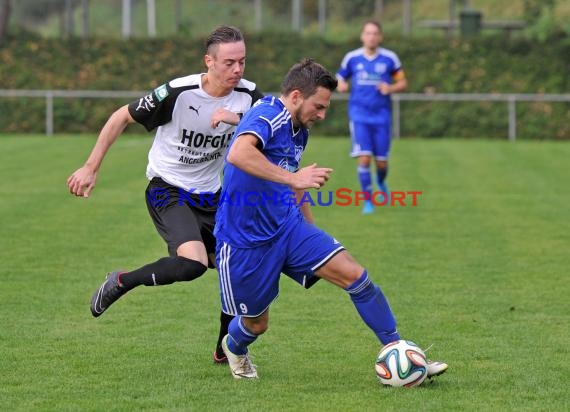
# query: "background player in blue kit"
x,y
374,73
259,240
195,118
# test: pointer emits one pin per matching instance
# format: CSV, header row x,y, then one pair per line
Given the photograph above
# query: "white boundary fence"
x,y
510,99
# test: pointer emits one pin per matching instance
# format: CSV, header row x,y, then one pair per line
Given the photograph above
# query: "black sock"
x,y
381,175
225,320
163,272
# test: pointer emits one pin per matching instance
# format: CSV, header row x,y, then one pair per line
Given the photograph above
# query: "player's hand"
x,y
82,182
384,88
223,115
311,177
342,86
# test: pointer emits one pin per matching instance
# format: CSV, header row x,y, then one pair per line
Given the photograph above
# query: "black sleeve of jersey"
x,y
255,96
155,109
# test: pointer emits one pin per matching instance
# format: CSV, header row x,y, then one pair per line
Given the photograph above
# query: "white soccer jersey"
x,y
187,152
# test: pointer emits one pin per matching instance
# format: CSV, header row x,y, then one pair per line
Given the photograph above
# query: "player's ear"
x,y
208,61
296,97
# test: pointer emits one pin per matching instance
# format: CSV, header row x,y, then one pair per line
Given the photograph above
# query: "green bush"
x,y
480,65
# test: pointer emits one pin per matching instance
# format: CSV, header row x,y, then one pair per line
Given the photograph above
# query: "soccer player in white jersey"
x,y
261,233
374,73
195,118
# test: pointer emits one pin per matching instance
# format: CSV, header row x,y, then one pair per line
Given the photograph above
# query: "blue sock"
x,y
365,180
240,337
373,308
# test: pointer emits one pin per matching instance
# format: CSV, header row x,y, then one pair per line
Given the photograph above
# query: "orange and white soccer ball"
x,y
401,363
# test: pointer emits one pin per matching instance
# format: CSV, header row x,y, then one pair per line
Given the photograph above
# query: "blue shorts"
x,y
249,278
370,140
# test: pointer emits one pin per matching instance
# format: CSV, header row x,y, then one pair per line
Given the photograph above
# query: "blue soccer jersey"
x,y
366,103
265,207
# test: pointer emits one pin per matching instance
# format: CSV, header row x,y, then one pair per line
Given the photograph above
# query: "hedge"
x,y
478,65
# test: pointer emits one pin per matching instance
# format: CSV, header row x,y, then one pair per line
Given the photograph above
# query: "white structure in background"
x,y
126,19
510,98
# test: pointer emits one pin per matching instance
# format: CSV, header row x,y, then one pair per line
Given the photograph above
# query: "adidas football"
x,y
401,363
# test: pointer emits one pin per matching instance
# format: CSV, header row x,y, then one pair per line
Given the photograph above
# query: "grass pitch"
x,y
479,269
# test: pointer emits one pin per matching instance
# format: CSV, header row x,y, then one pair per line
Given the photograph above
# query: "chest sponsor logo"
x,y
368,77
192,138
380,68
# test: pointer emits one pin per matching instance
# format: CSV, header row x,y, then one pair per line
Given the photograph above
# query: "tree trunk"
x,y
296,14
177,15
406,17
5,10
151,17
84,18
322,16
379,9
69,26
126,19
258,15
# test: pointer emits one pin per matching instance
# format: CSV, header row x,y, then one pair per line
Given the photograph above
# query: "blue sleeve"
x,y
345,70
257,126
396,64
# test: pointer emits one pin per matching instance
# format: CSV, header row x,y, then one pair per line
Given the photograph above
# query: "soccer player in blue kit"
x,y
260,236
375,73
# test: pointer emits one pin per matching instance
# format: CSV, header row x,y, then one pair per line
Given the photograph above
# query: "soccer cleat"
x,y
240,365
107,293
435,368
219,356
368,208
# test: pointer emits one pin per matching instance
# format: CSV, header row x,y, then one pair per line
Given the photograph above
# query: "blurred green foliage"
x,y
489,64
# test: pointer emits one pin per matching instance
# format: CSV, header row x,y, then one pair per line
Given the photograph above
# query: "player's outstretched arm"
x,y
245,155
83,180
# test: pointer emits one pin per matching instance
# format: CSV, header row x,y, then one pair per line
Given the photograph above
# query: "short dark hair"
x,y
373,22
222,34
306,76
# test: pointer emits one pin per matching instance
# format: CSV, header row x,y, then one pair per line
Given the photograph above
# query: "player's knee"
x,y
260,329
189,269
352,275
382,164
256,326
351,269
342,270
193,250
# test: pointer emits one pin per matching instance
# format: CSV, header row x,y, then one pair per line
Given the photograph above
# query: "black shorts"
x,y
180,219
